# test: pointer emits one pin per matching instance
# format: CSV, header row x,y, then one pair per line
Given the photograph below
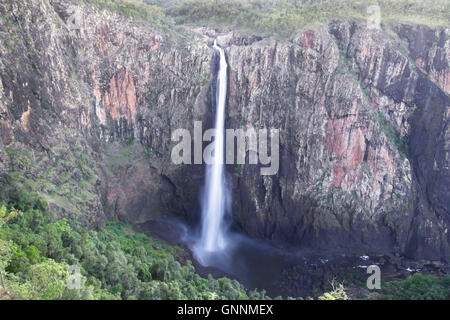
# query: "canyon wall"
x,y
86,115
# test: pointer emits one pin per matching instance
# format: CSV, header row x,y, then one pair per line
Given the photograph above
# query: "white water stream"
x,y
214,204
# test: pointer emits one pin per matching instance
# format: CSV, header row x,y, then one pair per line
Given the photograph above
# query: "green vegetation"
x,y
284,17
36,250
134,9
273,18
127,153
66,181
418,287
393,135
6,215
149,153
337,293
130,141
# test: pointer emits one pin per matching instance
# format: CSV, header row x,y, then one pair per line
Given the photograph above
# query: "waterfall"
x,y
216,197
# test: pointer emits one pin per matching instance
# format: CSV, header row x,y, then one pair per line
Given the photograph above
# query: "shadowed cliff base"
x,y
287,272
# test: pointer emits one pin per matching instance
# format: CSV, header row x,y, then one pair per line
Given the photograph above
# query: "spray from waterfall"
x,y
216,197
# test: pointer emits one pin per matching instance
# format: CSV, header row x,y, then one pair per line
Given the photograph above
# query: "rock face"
x,y
87,112
364,162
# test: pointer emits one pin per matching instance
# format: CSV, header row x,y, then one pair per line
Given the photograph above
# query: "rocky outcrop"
x,y
97,102
363,119
350,105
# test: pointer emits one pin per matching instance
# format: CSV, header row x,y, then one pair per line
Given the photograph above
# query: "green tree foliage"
x,y
36,249
337,292
418,287
6,215
6,249
47,280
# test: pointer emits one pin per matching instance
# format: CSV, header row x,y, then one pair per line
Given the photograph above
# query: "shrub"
x,y
418,287
337,293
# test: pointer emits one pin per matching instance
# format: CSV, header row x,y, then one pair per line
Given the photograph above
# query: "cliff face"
x,y
364,164
93,109
86,117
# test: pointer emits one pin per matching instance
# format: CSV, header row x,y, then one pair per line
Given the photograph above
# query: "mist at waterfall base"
x,y
252,262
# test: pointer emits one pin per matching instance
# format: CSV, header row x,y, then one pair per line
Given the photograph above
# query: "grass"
x,y
279,18
282,18
135,9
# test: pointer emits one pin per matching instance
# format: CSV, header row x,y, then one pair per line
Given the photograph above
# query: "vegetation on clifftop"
x,y
275,18
284,17
135,9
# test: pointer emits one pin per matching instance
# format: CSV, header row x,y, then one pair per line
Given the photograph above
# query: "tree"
x,y
5,216
48,280
337,292
6,251
419,287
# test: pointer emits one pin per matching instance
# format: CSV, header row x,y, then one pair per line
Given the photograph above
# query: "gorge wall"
x,y
86,116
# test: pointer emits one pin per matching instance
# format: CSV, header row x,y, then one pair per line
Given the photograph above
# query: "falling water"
x,y
216,196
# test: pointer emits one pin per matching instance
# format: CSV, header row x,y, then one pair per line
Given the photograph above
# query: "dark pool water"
x,y
256,263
